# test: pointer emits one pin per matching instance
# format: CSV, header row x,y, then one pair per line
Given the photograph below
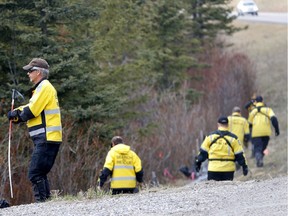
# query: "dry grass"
x,y
266,45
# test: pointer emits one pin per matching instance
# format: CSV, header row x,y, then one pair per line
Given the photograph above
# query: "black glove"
x,y
277,132
14,116
197,165
245,170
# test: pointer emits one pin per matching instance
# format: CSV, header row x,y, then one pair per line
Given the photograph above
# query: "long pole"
x,y
9,145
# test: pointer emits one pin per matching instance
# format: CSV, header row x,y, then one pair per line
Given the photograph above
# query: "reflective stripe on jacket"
x,y
221,154
124,163
42,114
260,120
238,125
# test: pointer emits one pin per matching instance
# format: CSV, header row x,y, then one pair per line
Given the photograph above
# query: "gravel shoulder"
x,y
252,197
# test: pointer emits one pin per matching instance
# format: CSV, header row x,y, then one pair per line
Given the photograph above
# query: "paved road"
x,y
266,17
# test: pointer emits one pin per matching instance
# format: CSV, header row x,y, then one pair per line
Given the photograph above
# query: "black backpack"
x,y
4,203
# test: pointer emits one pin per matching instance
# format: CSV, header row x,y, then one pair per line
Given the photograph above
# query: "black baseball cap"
x,y
259,98
223,120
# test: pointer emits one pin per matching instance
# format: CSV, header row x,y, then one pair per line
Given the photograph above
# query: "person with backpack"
x,y
222,149
124,166
260,119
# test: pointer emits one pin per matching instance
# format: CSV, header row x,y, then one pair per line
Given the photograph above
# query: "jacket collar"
x,y
258,104
236,114
35,86
31,90
222,129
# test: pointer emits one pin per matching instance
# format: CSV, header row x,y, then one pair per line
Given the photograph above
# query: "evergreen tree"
x,y
55,30
169,44
104,54
211,18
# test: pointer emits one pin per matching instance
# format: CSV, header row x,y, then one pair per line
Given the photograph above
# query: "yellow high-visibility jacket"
x,y
124,164
238,125
260,118
42,114
223,153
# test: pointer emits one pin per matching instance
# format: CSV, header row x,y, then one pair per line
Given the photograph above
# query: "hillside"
x,y
269,54
262,192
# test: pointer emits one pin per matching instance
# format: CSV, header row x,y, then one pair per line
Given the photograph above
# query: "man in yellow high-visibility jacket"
x,y
43,118
124,166
239,126
260,118
222,149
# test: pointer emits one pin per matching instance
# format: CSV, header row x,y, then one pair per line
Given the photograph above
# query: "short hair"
x,y
236,109
117,140
44,72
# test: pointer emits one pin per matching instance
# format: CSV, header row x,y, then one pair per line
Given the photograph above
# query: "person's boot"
x,y
39,189
48,193
260,163
259,159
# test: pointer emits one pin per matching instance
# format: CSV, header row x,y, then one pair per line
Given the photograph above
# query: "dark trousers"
x,y
260,144
43,158
125,191
220,176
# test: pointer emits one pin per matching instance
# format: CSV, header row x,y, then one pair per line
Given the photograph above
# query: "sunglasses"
x,y
30,71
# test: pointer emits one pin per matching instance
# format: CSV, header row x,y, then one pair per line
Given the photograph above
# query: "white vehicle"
x,y
247,7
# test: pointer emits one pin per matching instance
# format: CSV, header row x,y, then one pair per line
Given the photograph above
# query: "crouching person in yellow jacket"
x,y
222,148
124,167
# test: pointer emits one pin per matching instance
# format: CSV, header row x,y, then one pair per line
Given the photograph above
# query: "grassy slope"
x,y
266,45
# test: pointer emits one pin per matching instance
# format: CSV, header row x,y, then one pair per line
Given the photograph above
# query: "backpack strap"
x,y
222,135
259,111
